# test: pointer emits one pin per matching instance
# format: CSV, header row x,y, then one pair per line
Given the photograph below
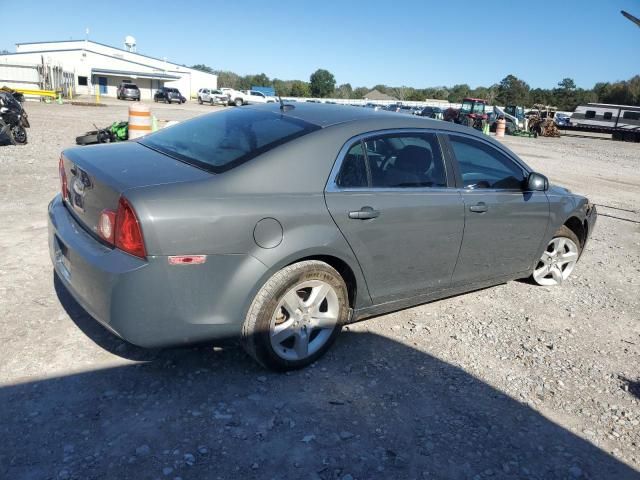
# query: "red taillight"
x,y
127,234
63,180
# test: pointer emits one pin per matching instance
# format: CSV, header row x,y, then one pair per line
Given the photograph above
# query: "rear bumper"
x,y
148,302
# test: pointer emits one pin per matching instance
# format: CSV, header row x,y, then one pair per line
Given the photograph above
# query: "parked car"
x,y
128,91
279,225
562,119
432,112
254,97
168,95
212,96
248,97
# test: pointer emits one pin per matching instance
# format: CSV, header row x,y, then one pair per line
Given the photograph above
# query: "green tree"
x,y
344,91
281,87
322,83
360,92
228,79
513,91
202,67
458,92
565,94
300,89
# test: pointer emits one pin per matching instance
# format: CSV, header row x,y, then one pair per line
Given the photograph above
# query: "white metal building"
x,y
98,66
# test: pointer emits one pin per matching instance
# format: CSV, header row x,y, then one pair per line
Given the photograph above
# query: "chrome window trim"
x,y
332,186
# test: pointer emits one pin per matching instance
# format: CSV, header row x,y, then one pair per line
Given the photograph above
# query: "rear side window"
x,y
590,114
483,166
393,161
608,115
220,141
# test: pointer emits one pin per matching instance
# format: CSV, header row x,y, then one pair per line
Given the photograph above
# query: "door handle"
x,y
479,207
365,213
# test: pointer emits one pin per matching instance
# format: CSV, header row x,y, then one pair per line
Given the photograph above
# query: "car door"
x,y
394,200
504,223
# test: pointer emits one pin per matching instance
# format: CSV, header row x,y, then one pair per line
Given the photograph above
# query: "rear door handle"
x,y
479,207
365,213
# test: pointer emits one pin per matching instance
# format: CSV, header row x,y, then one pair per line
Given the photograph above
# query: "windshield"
x,y
472,107
220,141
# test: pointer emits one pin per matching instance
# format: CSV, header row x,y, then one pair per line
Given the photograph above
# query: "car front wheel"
x,y
559,258
239,102
296,316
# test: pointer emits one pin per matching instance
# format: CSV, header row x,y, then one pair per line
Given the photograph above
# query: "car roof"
x,y
327,115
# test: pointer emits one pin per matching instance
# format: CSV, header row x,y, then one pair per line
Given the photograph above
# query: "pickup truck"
x,y
250,97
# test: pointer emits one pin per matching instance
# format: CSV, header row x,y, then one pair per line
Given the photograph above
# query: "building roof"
x,y
101,44
126,73
378,95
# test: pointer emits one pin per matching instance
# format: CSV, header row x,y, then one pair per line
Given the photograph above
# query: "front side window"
x,y
218,142
394,161
631,115
483,166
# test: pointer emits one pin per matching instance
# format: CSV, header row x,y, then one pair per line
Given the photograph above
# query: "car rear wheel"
x,y
211,102
559,258
296,316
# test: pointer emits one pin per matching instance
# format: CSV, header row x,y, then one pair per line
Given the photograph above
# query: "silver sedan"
x,y
278,224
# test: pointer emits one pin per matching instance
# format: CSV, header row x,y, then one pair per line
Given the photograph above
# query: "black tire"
x,y
255,335
90,138
211,102
199,100
19,135
166,100
238,102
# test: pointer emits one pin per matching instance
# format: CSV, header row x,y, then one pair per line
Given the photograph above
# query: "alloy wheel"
x,y
557,262
304,320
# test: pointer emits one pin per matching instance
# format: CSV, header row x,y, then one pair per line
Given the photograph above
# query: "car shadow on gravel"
x,y
372,408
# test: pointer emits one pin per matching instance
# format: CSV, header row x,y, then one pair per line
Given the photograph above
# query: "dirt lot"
x,y
513,382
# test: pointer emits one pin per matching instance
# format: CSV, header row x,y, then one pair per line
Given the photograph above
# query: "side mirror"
x,y
537,182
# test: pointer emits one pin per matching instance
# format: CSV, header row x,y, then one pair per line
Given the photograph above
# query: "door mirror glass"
x,y
537,182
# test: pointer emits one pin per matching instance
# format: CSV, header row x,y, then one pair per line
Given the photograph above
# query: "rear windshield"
x,y
130,85
220,141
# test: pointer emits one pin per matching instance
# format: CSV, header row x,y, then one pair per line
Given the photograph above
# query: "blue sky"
x,y
414,43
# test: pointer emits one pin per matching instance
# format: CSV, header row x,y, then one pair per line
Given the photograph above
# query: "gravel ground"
x,y
511,382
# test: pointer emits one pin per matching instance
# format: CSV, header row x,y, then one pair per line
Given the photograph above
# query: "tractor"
x,y
472,113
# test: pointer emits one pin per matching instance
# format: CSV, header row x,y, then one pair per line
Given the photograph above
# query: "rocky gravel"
x,y
511,382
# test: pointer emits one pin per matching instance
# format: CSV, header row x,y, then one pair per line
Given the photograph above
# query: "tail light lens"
x,y
63,180
128,234
122,229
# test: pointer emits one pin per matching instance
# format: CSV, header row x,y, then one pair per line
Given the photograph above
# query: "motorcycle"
x,y
13,120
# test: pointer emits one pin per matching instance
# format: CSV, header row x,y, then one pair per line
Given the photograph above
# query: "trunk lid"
x,y
98,175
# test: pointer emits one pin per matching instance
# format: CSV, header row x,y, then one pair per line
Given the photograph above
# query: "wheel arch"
x,y
342,267
574,224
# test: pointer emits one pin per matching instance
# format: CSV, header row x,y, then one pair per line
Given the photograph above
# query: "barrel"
x,y
139,120
500,127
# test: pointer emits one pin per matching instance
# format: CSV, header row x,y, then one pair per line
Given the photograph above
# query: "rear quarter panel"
x,y
218,215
